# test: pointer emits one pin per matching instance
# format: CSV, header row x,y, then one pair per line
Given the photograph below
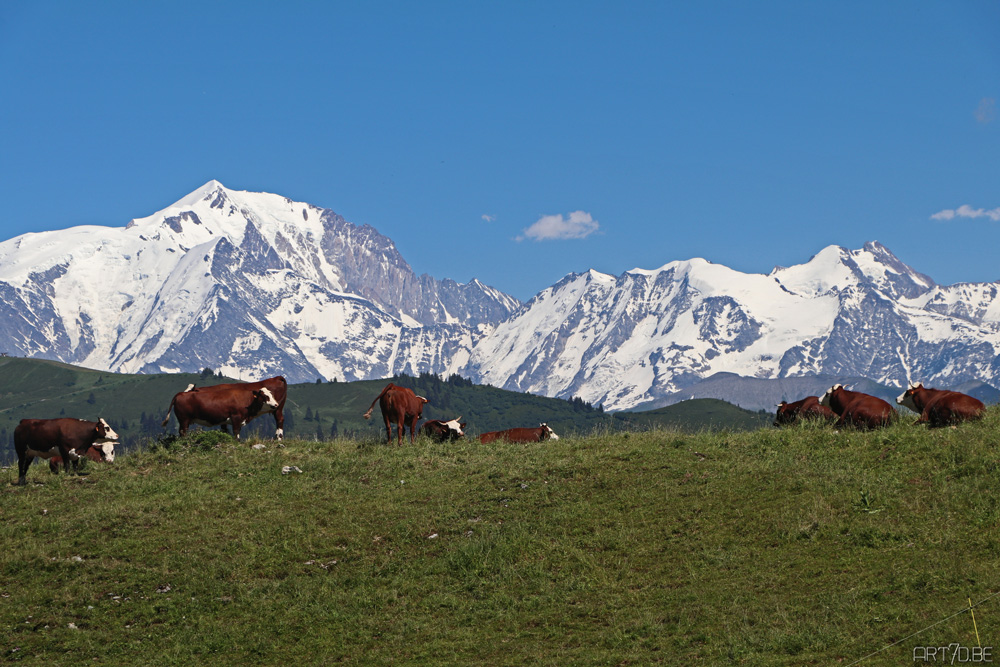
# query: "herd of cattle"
x,y
67,440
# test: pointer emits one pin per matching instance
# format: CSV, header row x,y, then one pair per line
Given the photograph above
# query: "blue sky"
x,y
517,142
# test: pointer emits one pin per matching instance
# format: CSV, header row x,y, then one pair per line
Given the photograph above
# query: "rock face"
x,y
254,284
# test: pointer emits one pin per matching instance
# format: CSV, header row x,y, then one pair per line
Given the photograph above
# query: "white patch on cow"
x,y
269,399
453,425
552,434
189,388
906,399
825,401
107,450
47,454
279,434
110,435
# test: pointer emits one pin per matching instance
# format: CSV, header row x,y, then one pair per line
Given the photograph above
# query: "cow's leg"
x,y
279,424
413,428
388,429
182,426
23,463
236,426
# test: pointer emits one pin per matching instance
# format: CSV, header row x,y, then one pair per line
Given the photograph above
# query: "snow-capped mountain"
x,y
642,337
249,283
254,284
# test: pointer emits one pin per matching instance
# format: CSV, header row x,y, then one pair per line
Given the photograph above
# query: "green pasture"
x,y
769,547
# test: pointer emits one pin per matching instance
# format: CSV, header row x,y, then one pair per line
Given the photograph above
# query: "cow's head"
x,y
906,398
547,432
104,432
456,429
106,450
825,401
270,402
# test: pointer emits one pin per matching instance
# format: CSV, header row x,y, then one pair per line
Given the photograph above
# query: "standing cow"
x,y
235,407
806,408
536,434
66,437
441,431
276,386
858,409
400,405
940,407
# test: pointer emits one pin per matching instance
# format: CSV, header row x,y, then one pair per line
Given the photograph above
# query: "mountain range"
x,y
254,284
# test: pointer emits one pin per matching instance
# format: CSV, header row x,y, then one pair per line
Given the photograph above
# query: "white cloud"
x,y
488,218
578,225
987,110
966,211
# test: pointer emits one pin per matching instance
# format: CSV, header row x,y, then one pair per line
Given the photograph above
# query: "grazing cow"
x,y
857,409
104,452
537,434
940,407
234,407
400,405
65,437
807,408
441,431
278,388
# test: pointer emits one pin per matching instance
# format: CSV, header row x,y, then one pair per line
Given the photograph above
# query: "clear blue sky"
x,y
752,134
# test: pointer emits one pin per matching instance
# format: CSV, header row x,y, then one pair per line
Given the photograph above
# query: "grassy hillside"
x,y
768,547
136,404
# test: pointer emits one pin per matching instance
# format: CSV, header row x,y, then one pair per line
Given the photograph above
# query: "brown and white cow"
x,y
441,431
940,407
536,434
99,453
806,408
65,437
234,407
276,386
400,405
858,409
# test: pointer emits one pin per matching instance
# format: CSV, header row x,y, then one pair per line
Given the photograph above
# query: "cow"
x,y
400,405
104,452
442,431
940,407
65,437
858,409
278,388
537,434
806,408
235,407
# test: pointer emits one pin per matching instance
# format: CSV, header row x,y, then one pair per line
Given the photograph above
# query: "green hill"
x,y
796,546
136,405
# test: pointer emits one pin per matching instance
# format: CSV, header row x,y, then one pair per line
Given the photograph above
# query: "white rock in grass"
x,y
288,469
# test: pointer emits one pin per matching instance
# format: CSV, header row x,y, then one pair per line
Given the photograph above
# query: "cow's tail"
x,y
169,410
368,414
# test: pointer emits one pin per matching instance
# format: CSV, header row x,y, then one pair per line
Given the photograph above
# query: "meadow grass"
x,y
769,547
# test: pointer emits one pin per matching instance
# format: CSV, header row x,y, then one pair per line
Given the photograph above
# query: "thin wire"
x,y
957,613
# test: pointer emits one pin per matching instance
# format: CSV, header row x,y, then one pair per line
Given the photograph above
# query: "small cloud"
x,y
488,218
966,211
579,225
987,110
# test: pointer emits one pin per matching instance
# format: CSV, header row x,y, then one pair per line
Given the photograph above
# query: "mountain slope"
x,y
642,337
250,283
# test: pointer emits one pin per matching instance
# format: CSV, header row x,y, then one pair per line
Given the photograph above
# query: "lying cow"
x,y
276,386
65,437
940,407
101,453
806,408
537,434
858,409
234,407
400,405
441,431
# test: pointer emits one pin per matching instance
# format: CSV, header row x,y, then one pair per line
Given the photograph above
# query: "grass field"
x,y
768,547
